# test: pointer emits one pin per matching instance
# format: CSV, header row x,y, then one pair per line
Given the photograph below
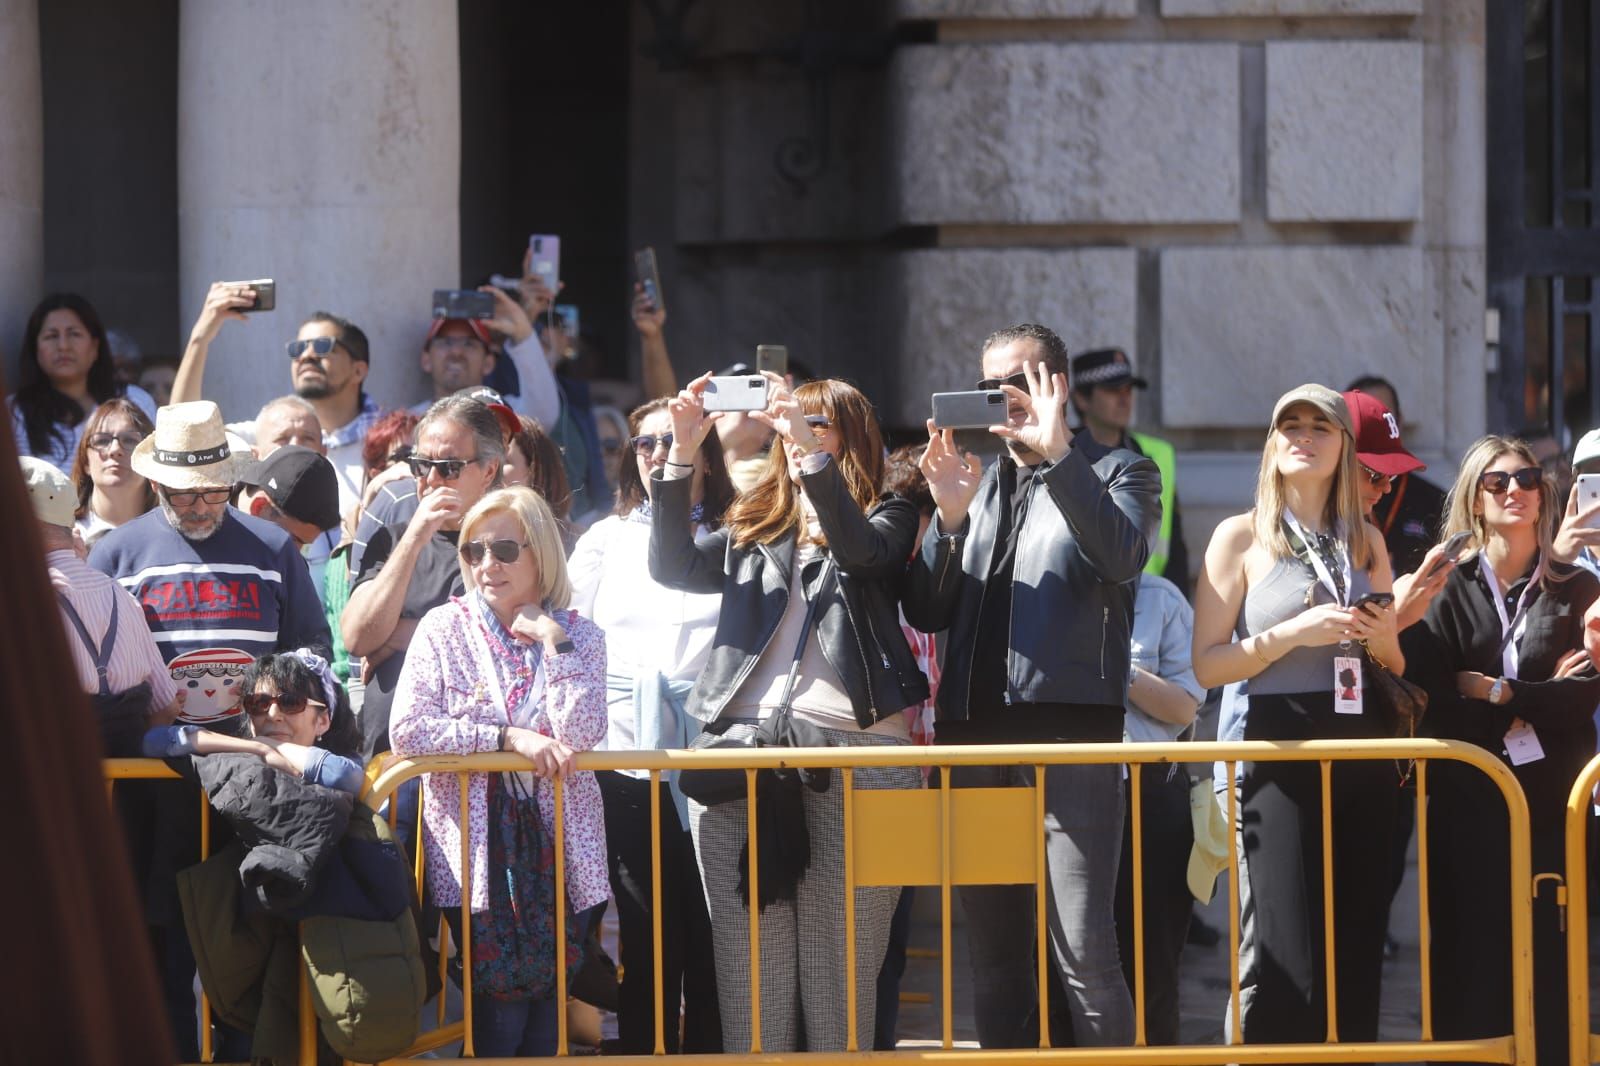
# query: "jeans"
x,y
502,1028
1083,843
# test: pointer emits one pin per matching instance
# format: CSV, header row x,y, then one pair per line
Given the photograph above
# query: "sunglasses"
x,y
102,442
187,497
645,444
819,422
502,551
256,704
447,469
321,347
1019,380
1498,482
1375,479
460,344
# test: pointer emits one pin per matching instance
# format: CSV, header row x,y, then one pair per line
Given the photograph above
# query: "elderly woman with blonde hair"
x,y
508,667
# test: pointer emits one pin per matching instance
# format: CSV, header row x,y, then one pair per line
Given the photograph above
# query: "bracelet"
x,y
500,744
1258,652
681,466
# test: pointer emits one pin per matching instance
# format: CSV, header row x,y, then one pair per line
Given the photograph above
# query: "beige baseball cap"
x,y
50,491
1321,397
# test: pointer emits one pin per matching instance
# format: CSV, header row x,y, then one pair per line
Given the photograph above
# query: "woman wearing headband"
x,y
1276,604
1500,653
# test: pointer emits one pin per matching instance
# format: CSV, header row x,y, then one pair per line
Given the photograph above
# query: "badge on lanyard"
x,y
1522,743
1347,674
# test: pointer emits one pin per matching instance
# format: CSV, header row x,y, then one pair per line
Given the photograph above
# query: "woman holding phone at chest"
x,y
1280,602
1500,653
808,563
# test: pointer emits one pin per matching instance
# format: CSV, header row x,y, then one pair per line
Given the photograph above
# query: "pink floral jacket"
x,y
442,706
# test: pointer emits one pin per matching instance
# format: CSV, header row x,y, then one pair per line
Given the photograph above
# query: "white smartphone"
x,y
737,392
1588,489
544,258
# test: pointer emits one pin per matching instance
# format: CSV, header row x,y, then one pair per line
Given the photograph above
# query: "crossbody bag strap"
x,y
805,634
100,656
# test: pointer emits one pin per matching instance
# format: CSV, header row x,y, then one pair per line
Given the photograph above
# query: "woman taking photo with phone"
x,y
1500,653
1274,605
65,373
808,563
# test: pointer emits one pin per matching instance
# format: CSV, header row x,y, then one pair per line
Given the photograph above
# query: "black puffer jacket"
x,y
289,827
858,618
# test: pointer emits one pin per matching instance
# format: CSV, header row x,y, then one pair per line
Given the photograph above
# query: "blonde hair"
x,y
1342,513
539,528
1463,516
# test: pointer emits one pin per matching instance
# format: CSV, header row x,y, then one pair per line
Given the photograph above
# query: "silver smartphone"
x,y
1452,548
1588,489
739,392
773,357
969,410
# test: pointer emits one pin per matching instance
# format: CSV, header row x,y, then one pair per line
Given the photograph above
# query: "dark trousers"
x,y
1166,841
688,964
893,969
1283,846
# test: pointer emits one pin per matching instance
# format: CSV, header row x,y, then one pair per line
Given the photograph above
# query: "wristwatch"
x,y
1496,689
563,646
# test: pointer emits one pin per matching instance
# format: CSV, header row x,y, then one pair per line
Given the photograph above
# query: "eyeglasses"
x,y
645,444
502,551
458,343
256,704
321,347
1019,380
187,497
447,469
102,442
1375,479
1498,482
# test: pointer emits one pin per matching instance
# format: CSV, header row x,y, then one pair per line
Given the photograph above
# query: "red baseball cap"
x,y
1377,437
478,328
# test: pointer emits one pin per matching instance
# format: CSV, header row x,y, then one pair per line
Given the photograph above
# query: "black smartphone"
x,y
1452,548
773,357
266,291
462,303
1379,600
646,274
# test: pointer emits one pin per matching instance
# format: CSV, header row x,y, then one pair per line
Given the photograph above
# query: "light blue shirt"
x,y
1163,640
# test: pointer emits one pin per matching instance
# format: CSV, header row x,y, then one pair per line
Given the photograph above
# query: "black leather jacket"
x,y
857,621
1078,560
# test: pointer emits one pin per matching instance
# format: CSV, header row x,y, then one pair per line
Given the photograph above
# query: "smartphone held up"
x,y
266,294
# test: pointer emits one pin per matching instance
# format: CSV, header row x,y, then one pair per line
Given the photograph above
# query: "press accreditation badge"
x,y
1347,684
1522,745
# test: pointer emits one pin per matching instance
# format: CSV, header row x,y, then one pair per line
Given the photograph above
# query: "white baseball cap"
x,y
50,491
1588,447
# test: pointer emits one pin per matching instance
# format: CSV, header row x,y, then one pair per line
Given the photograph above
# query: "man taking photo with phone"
x,y
1032,566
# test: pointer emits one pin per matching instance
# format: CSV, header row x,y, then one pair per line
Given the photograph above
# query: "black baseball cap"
x,y
1104,366
300,483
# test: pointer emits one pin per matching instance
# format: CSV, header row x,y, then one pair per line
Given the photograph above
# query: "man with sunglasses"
x,y
209,576
328,362
409,566
1031,566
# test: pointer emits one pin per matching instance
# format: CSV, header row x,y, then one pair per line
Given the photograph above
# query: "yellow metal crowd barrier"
x,y
1574,897
947,837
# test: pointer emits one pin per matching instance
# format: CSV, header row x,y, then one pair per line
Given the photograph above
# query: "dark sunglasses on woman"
x,y
256,704
503,551
1498,482
645,444
1375,479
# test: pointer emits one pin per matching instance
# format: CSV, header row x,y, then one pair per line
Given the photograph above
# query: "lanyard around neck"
x,y
1511,626
1338,585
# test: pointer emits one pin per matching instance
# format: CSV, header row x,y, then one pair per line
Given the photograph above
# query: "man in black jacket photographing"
x,y
1032,567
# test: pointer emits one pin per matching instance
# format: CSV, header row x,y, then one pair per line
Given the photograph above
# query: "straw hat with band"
x,y
189,449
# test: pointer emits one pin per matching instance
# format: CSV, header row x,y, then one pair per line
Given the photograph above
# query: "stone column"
x,y
21,175
319,144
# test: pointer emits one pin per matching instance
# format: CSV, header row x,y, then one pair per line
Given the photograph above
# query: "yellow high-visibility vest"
x,y
1165,457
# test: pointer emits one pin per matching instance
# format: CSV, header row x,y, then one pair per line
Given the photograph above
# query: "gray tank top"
x,y
1282,595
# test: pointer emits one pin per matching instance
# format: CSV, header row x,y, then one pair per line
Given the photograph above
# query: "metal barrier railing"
x,y
933,837
1573,897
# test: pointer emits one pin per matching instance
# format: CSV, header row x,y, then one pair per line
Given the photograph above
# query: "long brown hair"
x,y
1342,513
117,405
547,474
1461,514
719,490
771,509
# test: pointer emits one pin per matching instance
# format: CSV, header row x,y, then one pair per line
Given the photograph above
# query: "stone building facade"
x,y
1243,194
